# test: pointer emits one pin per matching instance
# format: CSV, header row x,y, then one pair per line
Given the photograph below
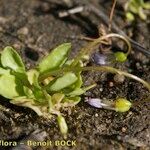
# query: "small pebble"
x,y
108,121
111,84
17,46
45,7
119,78
1,29
96,115
129,114
124,129
101,89
23,31
17,115
3,20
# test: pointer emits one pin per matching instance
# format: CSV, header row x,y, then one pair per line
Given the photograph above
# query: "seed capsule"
x,y
119,78
122,105
120,56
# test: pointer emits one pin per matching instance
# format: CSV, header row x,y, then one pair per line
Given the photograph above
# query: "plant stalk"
x,y
95,68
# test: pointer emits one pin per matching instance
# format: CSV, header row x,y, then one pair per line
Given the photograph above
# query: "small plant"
x,y
55,83
136,7
44,96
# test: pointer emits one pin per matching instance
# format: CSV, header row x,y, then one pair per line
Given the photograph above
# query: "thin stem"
x,y
89,87
96,68
49,100
91,40
87,49
111,14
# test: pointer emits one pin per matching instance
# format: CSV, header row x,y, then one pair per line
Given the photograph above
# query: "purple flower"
x,y
101,59
95,102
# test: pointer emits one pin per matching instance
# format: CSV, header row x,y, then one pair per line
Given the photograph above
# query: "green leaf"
x,y
0,59
33,75
22,76
10,86
57,98
11,59
76,92
39,95
28,92
130,16
142,14
55,58
146,5
79,91
63,82
79,82
4,71
49,100
76,100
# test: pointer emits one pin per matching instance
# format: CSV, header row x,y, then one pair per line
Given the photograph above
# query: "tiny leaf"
x,y
39,95
79,82
4,71
55,58
11,59
76,92
33,77
57,98
63,82
10,87
28,92
130,16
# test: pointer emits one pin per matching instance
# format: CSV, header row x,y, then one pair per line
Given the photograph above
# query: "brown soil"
x,y
33,28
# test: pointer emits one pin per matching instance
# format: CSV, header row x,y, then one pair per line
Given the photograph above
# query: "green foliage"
x,y
55,59
62,82
4,71
33,76
136,7
10,59
24,88
10,86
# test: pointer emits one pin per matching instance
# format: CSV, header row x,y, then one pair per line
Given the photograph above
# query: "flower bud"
x,y
122,105
95,102
120,56
62,125
101,59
